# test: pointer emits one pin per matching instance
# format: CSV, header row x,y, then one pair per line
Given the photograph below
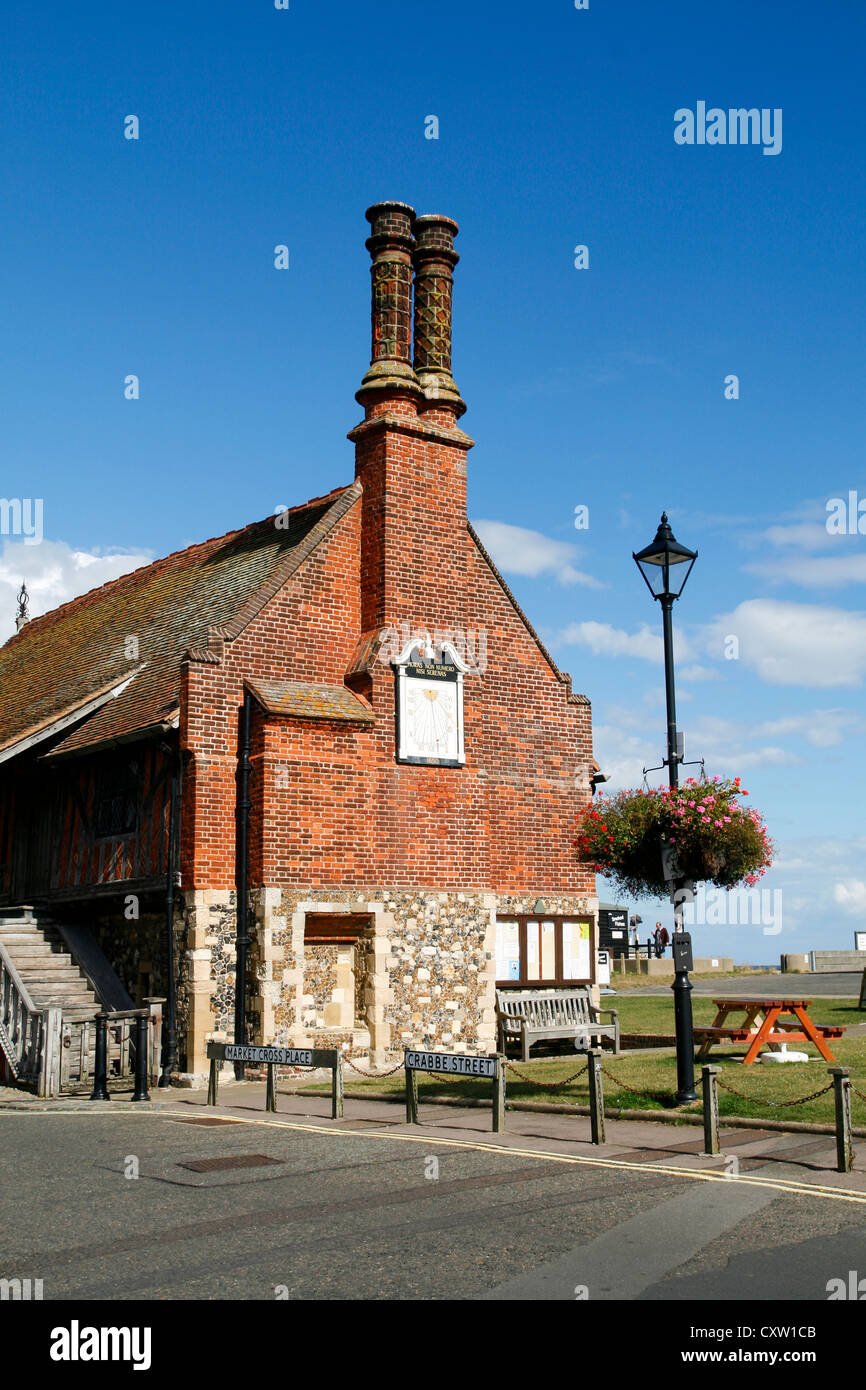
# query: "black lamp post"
x,y
665,566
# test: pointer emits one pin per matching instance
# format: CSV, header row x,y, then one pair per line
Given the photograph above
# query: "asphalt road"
x,y
777,986
367,1210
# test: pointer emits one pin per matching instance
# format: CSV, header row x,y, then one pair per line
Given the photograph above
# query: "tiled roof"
x,y
306,701
63,657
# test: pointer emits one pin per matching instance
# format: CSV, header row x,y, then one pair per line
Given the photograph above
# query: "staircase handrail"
x,y
17,980
23,1060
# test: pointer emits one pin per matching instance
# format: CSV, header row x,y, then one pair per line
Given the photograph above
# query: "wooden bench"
x,y
529,1015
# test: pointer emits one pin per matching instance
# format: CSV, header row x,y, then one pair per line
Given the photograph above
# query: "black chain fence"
x,y
376,1075
633,1090
547,1085
567,1081
777,1104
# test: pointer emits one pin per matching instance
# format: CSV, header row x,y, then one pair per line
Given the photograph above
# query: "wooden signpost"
x,y
455,1064
272,1057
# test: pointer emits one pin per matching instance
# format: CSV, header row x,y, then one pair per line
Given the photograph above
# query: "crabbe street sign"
x,y
453,1062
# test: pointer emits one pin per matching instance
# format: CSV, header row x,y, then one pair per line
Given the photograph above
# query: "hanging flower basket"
x,y
646,840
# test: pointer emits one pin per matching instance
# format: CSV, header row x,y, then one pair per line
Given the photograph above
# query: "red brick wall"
x,y
330,806
306,632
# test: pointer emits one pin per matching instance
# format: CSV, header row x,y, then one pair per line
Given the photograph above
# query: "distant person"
x,y
657,940
664,938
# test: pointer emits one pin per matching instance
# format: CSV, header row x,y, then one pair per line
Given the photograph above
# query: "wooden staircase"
x,y
49,973
48,1005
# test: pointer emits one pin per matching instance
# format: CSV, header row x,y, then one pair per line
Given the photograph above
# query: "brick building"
x,y
357,671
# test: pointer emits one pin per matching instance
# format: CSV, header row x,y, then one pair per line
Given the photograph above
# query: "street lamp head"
x,y
665,564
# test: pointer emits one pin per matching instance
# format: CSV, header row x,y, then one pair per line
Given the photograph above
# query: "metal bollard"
x,y
213,1082
271,1089
336,1089
499,1096
596,1096
140,1092
844,1141
411,1096
100,1060
711,1109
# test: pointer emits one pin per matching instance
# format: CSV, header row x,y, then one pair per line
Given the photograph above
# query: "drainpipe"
x,y
169,1052
243,826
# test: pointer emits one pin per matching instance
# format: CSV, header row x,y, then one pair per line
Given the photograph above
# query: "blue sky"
x,y
602,387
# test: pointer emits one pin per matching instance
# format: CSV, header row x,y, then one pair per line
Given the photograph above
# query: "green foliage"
x,y
644,840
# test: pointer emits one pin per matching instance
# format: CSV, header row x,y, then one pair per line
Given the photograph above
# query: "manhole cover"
x,y
216,1165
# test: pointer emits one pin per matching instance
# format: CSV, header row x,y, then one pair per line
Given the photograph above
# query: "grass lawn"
x,y
646,1013
648,1079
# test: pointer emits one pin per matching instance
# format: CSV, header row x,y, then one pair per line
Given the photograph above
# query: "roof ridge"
x,y
292,560
89,596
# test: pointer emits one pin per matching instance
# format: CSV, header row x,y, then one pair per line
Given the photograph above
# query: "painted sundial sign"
x,y
430,704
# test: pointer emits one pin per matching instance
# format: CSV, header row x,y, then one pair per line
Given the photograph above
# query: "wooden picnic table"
x,y
762,1026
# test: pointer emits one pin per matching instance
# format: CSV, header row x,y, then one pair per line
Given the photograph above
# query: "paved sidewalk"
x,y
794,1157
797,1157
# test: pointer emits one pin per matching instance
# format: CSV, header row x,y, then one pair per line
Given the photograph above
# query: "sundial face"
x,y
429,706
431,717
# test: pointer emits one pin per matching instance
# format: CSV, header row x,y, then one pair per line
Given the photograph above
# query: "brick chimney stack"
x,y
434,259
410,454
390,377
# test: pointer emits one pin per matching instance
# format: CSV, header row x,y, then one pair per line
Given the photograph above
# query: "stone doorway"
x,y
338,962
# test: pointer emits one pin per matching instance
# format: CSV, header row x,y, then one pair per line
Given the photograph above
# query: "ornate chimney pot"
x,y
434,260
390,244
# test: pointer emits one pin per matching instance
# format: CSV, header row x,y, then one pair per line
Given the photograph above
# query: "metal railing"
x,y
54,1054
26,1030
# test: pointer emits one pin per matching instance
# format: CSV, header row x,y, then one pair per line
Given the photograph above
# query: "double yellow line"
x,y
800,1189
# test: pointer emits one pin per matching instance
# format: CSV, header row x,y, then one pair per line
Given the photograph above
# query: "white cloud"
x,y
54,574
518,550
799,536
795,643
604,640
814,571
822,728
851,895
802,535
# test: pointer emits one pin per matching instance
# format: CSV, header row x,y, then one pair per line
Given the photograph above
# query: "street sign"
x,y
277,1057
454,1062
281,1056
